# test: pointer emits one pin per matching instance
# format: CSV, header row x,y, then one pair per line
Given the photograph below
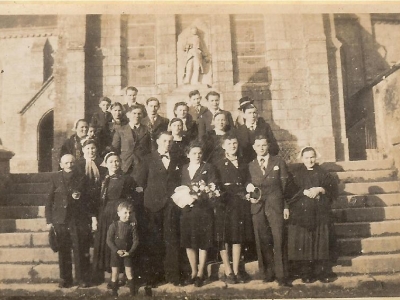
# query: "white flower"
x,y
276,168
207,189
177,168
212,186
217,193
195,188
250,188
202,187
226,163
205,172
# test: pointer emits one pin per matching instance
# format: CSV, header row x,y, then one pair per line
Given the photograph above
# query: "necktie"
x,y
198,109
262,165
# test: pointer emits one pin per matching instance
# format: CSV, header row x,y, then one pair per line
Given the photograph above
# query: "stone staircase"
x,y
367,217
367,223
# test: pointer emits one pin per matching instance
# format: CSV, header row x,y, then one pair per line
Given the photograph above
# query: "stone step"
x,y
371,264
24,239
31,177
366,214
382,244
360,165
27,255
22,212
367,229
29,272
25,199
28,225
30,188
366,176
365,188
358,201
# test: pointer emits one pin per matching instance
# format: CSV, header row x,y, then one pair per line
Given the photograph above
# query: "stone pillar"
x,y
368,46
70,78
5,156
114,75
166,69
336,88
221,49
320,105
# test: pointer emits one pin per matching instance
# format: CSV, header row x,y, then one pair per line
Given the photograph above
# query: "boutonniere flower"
x,y
177,168
226,163
276,168
204,172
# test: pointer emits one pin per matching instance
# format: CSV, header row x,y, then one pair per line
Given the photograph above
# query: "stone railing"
x,y
373,117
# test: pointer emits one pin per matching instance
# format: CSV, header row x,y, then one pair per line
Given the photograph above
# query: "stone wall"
x,y
23,73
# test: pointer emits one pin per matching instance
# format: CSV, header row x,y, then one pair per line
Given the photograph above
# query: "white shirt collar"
x,y
266,157
163,153
250,125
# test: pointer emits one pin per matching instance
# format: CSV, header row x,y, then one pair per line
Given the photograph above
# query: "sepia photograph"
x,y
199,150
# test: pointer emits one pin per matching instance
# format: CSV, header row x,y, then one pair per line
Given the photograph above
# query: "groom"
x,y
269,173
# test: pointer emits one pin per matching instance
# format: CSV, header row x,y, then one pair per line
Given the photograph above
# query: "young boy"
x,y
130,98
122,239
101,117
196,110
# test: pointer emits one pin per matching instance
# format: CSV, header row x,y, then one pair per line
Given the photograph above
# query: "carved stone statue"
x,y
194,58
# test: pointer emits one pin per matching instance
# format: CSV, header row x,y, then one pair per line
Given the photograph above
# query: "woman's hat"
x,y
245,100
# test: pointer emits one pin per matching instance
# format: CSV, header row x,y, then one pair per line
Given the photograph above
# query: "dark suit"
x,y
159,125
132,145
100,119
205,121
267,216
73,146
71,221
196,115
163,216
128,108
246,139
191,132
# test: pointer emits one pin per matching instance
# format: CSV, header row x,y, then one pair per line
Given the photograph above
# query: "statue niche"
x,y
193,57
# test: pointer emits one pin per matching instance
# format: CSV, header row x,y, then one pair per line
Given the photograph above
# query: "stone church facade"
x,y
304,71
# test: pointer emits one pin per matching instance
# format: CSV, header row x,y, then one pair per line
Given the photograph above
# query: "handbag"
x,y
53,239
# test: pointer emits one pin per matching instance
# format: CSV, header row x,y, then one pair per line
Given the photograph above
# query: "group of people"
x,y
120,172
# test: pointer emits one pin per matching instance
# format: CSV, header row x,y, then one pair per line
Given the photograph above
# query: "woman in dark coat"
x,y
90,165
213,151
179,142
73,145
312,191
115,188
107,133
233,224
197,221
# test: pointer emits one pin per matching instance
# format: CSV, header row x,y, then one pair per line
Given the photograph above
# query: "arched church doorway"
x,y
46,138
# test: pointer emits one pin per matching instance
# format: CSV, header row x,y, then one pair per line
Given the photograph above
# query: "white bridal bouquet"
x,y
185,195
